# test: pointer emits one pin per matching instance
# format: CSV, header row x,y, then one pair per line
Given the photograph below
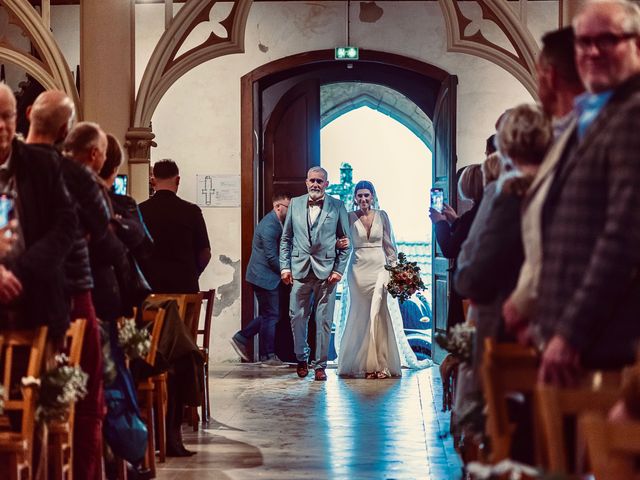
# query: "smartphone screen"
x,y
437,199
120,185
6,207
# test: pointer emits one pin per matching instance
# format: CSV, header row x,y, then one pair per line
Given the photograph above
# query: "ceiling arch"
x,y
51,70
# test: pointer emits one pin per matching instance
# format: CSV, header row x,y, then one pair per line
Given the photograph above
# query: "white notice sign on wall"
x,y
218,191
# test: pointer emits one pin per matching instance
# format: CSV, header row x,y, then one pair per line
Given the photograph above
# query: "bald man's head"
x,y
7,121
50,117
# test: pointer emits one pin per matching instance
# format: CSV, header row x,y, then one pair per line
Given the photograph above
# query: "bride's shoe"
x,y
370,375
381,375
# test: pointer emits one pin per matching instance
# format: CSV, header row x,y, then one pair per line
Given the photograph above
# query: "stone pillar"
x,y
107,61
138,145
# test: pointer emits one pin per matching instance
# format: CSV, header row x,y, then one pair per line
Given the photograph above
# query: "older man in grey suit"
x,y
263,273
311,262
590,277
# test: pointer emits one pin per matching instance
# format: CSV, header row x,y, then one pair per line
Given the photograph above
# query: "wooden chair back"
x,y
15,340
189,305
19,445
205,331
60,461
613,447
74,338
156,317
192,313
598,392
506,368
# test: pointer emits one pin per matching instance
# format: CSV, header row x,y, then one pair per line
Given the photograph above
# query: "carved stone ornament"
x,y
138,144
50,69
521,64
166,66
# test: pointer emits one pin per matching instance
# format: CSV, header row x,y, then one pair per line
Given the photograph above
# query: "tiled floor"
x,y
269,424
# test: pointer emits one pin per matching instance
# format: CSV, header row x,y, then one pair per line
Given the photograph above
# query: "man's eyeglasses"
x,y
319,181
7,116
604,41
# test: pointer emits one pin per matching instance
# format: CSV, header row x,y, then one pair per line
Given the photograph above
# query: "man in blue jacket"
x,y
263,273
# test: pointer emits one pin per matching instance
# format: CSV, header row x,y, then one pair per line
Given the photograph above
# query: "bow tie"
x,y
316,203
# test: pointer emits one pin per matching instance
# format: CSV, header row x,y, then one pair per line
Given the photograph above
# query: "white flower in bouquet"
x,y
136,342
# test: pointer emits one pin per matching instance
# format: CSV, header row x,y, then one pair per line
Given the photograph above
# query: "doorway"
x,y
281,122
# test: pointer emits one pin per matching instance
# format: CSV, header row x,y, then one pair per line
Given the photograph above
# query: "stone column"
x,y
107,61
138,144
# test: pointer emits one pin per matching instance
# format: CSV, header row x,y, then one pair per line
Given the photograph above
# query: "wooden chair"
x,y
16,447
506,368
598,392
613,447
146,390
60,451
205,332
189,306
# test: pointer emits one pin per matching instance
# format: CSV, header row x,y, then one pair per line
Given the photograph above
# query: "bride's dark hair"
x,y
365,185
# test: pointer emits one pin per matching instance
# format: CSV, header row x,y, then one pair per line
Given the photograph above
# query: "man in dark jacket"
x,y
32,280
50,118
263,273
181,245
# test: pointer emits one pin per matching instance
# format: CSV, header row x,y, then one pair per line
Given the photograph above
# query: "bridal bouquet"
x,y
58,389
405,279
135,341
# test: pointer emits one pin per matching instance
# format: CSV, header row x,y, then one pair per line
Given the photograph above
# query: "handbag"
x,y
123,428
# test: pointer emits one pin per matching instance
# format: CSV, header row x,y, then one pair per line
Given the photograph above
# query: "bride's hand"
x,y
342,243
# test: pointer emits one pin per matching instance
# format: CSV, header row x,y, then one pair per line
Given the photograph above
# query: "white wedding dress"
x,y
373,338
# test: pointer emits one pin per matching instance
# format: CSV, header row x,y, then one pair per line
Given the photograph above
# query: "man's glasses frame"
x,y
604,41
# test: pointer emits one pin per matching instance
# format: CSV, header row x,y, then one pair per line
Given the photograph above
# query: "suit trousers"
x,y
305,293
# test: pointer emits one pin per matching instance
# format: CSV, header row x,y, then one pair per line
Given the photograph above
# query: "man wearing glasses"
x,y
590,277
263,273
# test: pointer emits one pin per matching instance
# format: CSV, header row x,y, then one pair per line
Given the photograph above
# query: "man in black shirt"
x,y
181,244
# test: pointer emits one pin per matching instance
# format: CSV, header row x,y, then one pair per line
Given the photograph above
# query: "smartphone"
x,y
120,185
437,199
6,208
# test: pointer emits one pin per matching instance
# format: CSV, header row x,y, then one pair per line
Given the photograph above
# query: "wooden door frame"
x,y
250,143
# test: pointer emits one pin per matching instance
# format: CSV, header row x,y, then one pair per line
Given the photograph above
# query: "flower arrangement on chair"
x,y
136,342
404,279
58,389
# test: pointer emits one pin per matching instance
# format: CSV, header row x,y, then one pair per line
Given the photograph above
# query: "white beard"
x,y
315,195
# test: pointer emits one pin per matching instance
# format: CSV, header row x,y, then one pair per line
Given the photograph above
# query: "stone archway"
x,y
336,99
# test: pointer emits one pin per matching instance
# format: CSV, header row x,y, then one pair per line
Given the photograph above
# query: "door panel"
x,y
291,147
444,166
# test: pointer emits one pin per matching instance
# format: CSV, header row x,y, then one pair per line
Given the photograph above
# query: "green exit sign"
x,y
347,53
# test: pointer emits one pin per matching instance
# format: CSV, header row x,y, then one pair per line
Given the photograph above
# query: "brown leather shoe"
x,y
320,374
302,369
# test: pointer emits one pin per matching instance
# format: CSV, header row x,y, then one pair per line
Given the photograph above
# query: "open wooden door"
x,y
291,146
444,167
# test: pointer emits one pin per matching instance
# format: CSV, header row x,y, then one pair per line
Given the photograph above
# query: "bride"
x,y
373,335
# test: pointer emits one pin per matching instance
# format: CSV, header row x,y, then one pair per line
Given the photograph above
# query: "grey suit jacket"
x,y
590,283
264,265
304,247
